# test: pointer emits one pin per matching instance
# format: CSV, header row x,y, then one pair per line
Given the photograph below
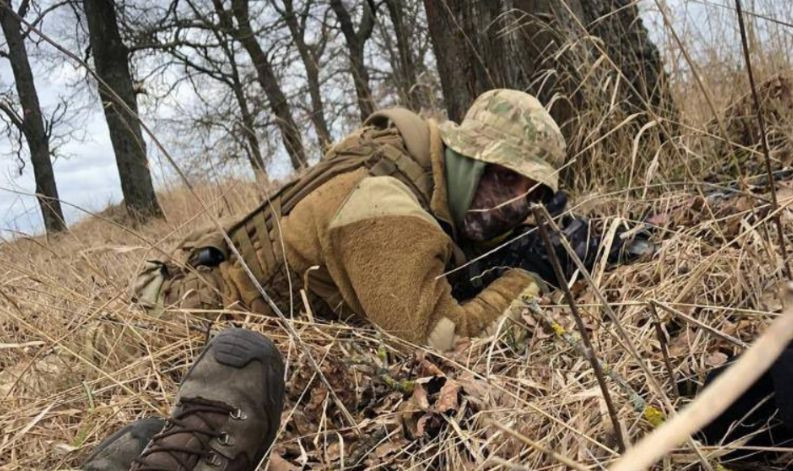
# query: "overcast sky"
x,y
88,179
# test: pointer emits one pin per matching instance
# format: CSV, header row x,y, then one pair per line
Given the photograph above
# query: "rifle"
x,y
527,251
754,184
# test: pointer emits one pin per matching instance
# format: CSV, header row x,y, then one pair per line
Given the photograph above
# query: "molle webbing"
x,y
381,151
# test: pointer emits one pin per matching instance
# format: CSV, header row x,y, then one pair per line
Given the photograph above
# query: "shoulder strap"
x,y
413,128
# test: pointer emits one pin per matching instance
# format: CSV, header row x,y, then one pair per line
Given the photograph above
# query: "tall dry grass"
x,y
78,360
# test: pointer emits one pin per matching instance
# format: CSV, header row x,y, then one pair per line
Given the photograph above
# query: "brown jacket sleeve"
x,y
387,257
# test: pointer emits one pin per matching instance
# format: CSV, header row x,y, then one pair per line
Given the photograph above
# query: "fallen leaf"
x,y
279,464
681,343
716,359
448,397
388,448
427,368
771,299
658,219
419,397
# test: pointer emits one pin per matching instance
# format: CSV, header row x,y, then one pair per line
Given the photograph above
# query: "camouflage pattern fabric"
x,y
512,129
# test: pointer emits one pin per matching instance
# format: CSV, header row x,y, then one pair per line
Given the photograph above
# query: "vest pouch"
x,y
194,278
163,285
199,289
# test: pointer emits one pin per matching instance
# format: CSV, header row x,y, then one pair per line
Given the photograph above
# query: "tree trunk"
x,y
356,40
248,123
272,89
311,64
32,123
407,77
248,119
518,44
627,42
465,66
111,60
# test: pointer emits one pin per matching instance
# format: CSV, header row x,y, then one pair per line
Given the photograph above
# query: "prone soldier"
x,y
372,228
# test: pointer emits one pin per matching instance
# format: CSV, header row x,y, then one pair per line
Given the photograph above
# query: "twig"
x,y
652,414
607,307
717,397
589,351
691,320
628,342
541,448
763,139
664,350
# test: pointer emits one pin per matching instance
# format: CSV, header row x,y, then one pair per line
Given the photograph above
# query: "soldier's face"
x,y
500,203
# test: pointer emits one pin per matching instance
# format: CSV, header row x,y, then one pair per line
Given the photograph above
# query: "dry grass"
x,y
77,360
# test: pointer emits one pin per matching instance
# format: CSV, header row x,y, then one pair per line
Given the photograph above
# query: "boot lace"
x,y
175,439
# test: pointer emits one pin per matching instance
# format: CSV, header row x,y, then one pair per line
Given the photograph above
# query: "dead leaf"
x,y
473,386
432,397
421,425
388,448
429,425
680,344
412,410
716,359
658,219
771,299
419,397
427,368
279,464
448,397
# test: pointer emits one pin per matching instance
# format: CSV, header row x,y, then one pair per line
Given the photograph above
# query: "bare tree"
x,y
111,59
356,40
196,42
310,54
460,44
627,41
243,32
557,51
30,122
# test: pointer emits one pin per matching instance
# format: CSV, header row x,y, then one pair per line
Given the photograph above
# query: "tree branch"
x,y
41,15
367,21
12,115
23,8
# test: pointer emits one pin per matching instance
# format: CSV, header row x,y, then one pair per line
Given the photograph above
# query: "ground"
x,y
79,360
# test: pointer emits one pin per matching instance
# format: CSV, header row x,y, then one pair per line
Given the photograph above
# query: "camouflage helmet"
x,y
512,129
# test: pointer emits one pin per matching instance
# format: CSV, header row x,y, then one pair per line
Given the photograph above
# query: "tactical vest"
x,y
392,142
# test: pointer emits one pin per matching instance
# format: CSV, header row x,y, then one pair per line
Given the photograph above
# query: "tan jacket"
x,y
387,254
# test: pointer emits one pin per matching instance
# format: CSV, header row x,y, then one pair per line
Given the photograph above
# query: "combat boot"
x,y
227,410
117,451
